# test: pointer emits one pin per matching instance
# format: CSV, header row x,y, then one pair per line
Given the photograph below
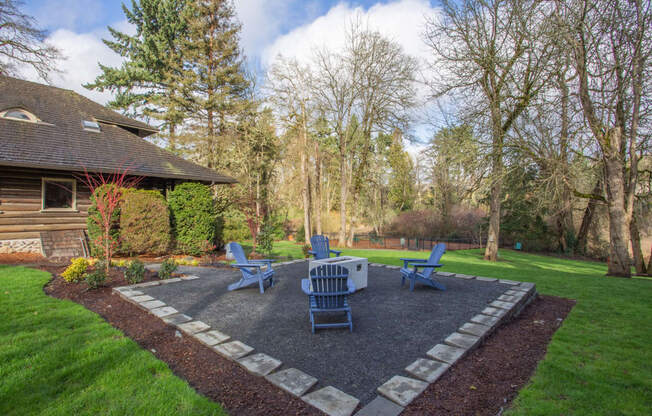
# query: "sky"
x,y
292,28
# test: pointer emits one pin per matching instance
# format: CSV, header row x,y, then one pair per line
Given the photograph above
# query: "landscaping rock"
x,y
402,390
508,298
380,406
260,364
152,304
128,294
293,381
486,279
177,319
193,327
464,276
474,329
427,370
498,313
233,350
462,340
446,353
487,320
446,274
332,401
164,311
502,305
142,298
166,281
211,338
508,282
147,284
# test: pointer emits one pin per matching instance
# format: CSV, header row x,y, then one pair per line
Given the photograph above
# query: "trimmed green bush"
x,y
76,271
167,268
144,222
194,217
97,277
135,272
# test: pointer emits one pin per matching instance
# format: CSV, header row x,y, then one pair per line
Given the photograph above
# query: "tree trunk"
x,y
305,192
318,204
343,194
619,263
493,236
587,219
639,260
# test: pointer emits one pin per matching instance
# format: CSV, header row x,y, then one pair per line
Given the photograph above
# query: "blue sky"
x,y
292,28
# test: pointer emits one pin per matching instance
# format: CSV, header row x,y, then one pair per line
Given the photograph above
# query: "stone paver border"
x,y
396,393
401,390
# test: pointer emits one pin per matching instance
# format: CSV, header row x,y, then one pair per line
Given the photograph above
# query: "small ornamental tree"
x,y
107,192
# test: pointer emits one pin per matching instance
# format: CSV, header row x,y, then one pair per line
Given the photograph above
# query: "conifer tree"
x,y
142,84
211,77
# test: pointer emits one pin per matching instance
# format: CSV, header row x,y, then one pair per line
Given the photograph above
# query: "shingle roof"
x,y
58,141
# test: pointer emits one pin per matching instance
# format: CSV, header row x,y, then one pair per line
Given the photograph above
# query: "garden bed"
x,y
209,374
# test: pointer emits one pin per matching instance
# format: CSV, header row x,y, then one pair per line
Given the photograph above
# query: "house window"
x,y
19,114
59,194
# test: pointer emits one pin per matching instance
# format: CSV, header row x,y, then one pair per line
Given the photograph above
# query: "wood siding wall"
x,y
21,216
20,205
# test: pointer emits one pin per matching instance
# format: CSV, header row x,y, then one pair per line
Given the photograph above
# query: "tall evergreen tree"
x,y
211,77
142,84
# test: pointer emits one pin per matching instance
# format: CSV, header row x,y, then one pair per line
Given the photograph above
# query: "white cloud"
x,y
83,51
402,21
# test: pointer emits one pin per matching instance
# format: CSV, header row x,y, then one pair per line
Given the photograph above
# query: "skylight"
x,y
91,125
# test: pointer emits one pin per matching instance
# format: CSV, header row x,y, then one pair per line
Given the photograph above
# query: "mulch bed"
x,y
487,380
483,383
217,378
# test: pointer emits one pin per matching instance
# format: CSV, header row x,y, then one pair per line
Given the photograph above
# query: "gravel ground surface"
x,y
392,326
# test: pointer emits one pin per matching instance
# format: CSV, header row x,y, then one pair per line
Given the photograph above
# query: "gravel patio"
x,y
392,326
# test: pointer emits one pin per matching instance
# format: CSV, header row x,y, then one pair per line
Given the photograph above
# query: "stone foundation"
x,y
28,245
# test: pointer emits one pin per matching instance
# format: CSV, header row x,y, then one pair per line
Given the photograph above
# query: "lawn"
x,y
58,358
599,361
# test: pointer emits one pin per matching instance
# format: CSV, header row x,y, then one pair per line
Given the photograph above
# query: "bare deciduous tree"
x,y
22,43
611,50
494,54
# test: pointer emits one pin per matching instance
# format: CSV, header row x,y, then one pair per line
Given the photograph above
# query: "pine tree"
x,y
211,77
142,84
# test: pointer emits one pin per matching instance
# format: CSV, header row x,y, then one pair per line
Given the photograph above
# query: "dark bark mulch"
x,y
487,380
483,383
221,380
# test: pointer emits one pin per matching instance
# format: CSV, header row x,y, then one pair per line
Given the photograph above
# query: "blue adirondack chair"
x,y
321,248
327,290
427,266
252,270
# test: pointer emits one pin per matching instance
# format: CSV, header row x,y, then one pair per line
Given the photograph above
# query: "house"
x,y
48,137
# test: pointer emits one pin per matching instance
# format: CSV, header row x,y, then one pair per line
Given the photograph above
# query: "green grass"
x,y
599,362
58,358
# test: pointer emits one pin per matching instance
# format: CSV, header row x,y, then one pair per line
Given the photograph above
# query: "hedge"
x,y
144,223
194,217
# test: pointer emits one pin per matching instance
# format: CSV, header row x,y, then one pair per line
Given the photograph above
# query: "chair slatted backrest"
x,y
329,285
239,255
437,251
321,246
